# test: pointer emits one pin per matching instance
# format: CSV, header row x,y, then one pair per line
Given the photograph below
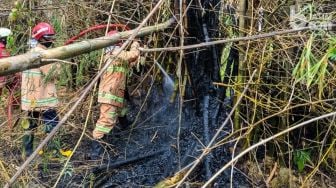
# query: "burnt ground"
x,y
147,154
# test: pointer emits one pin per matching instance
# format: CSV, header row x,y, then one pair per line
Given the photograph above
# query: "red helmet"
x,y
112,32
42,29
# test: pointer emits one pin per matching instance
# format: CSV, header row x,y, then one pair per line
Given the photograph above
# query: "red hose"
x,y
96,27
12,87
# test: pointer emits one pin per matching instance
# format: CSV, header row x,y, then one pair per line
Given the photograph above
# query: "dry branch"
x,y
36,59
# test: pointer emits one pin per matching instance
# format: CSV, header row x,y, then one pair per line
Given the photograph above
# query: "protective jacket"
x,y
112,87
113,82
38,88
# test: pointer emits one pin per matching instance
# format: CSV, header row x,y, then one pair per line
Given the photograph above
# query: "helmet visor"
x,y
49,37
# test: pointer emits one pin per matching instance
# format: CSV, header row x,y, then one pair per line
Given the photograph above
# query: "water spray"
x,y
168,83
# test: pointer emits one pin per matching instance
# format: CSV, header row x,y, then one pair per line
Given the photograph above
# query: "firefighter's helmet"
x,y
5,32
43,30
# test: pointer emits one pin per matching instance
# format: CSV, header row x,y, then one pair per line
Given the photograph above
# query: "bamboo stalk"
x,y
241,65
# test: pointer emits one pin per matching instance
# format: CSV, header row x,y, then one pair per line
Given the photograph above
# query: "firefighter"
x,y
12,82
4,33
112,87
38,90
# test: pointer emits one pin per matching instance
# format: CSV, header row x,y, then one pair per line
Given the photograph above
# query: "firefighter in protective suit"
x,y
38,90
112,86
11,82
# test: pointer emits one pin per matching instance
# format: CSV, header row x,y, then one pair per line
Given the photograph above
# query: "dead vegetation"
x,y
293,83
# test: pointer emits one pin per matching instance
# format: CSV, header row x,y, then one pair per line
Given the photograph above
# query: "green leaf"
x,y
224,60
300,159
332,54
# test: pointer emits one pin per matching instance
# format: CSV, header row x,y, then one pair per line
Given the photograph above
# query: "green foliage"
x,y
86,63
300,159
224,60
11,44
332,54
302,71
55,22
65,75
16,12
69,171
229,31
311,69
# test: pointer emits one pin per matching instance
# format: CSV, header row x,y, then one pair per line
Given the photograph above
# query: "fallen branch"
x,y
206,133
133,34
117,164
270,177
30,60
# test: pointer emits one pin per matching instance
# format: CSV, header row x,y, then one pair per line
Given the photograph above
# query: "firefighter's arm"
x,y
134,53
131,55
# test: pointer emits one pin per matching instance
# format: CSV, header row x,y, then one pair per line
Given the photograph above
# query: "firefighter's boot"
x,y
28,139
124,122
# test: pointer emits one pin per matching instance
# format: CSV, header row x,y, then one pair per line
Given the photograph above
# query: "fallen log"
x,y
116,164
30,60
206,132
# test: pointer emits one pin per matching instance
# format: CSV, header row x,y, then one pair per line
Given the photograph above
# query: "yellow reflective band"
x,y
114,68
41,101
111,97
102,128
32,73
113,114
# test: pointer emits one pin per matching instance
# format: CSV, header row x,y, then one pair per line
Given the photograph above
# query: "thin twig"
x,y
59,60
179,75
270,177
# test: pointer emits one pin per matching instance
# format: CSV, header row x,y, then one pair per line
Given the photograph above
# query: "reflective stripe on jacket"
x,y
37,93
113,82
